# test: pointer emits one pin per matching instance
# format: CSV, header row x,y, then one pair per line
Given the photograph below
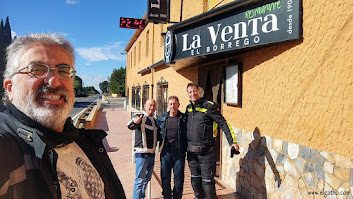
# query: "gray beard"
x,y
48,115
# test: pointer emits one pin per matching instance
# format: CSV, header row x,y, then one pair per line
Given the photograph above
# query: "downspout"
x,y
152,54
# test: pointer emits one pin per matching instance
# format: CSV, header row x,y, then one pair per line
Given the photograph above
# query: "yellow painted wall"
x,y
177,82
156,50
191,8
217,3
302,92
299,91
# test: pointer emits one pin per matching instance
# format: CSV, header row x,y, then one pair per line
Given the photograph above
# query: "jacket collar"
x,y
178,115
149,116
46,135
198,102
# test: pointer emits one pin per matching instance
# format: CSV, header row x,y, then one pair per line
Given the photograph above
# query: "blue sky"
x,y
92,26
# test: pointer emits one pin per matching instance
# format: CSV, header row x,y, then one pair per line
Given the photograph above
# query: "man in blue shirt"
x,y
173,147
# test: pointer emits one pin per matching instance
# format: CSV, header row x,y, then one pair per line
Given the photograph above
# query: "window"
x,y
128,94
128,61
145,93
147,42
139,56
135,56
232,85
131,60
162,99
138,97
133,97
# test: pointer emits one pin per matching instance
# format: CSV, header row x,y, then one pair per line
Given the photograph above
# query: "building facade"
x,y
288,94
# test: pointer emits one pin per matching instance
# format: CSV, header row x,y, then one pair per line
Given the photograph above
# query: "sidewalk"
x,y
119,147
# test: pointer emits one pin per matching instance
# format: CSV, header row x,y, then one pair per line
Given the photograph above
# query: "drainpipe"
x,y
152,54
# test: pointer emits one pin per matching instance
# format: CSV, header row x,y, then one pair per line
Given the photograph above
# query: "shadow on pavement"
x,y
107,146
101,121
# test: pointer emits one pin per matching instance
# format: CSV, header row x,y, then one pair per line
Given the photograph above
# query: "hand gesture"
x,y
138,119
234,150
236,146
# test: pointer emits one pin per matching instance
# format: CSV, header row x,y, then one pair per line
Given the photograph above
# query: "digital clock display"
x,y
132,23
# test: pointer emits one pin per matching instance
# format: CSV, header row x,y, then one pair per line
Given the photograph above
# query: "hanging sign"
x,y
158,11
168,47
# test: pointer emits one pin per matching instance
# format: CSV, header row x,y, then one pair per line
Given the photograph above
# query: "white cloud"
x,y
108,52
72,2
93,80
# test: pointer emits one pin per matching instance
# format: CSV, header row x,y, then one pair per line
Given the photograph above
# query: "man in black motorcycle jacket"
x,y
203,117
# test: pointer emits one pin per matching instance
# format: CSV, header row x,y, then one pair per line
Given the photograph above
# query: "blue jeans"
x,y
172,158
144,168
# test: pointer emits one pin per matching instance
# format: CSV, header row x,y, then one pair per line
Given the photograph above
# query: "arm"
x,y
135,122
183,135
216,115
4,167
160,121
12,168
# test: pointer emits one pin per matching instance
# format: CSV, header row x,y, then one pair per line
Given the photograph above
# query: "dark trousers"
x,y
203,169
172,158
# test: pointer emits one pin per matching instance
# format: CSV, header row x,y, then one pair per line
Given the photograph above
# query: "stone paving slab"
x,y
119,146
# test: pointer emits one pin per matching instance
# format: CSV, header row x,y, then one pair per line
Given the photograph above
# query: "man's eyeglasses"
x,y
40,70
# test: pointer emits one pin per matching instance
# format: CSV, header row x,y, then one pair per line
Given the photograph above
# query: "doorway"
x,y
210,81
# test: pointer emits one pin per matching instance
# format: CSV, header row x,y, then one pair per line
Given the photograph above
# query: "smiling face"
x,y
194,94
173,106
47,100
150,106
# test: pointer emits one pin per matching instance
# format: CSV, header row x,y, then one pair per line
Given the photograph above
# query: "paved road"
x,y
81,103
118,144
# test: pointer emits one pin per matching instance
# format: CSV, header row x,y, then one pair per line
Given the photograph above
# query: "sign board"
x,y
231,85
158,11
132,23
265,22
168,47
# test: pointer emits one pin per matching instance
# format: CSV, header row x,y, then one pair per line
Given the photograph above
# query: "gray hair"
x,y
20,44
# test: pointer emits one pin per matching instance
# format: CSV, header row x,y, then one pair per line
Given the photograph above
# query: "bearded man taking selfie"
x,y
42,155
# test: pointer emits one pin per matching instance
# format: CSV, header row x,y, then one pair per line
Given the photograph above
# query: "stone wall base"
x,y
272,168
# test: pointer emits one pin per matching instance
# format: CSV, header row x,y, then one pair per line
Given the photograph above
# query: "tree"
x,y
89,90
117,81
104,86
78,85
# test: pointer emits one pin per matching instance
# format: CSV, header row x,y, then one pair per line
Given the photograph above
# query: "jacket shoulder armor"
x,y
210,102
